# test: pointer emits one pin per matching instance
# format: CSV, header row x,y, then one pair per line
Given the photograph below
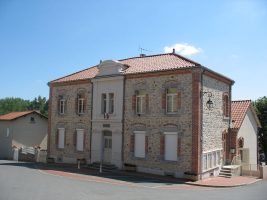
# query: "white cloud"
x,y
183,49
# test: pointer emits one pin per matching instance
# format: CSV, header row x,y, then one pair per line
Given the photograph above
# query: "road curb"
x,y
224,186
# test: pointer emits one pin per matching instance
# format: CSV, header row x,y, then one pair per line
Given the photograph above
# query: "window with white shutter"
x,y
140,143
80,139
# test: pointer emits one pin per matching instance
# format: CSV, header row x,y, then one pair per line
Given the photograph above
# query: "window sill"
x,y
170,161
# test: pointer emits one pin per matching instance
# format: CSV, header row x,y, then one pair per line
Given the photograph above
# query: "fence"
x,y
250,170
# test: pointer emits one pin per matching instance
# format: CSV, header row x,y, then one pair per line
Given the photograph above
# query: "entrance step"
x,y
105,166
226,172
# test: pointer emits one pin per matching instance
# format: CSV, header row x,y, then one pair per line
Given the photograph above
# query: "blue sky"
x,y
44,40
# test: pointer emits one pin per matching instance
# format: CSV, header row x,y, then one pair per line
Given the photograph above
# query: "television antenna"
x,y
142,50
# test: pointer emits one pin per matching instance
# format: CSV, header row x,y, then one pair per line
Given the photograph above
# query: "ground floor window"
x,y
80,139
139,144
211,159
61,138
171,146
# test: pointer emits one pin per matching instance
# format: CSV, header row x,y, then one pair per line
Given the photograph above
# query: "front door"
x,y
107,146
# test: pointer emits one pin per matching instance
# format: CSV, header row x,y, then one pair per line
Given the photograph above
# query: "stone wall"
x,y
70,121
214,122
155,122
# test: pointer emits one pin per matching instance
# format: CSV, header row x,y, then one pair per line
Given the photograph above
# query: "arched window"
x,y
226,105
240,142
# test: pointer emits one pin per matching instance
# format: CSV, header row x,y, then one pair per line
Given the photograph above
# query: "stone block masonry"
x,y
70,120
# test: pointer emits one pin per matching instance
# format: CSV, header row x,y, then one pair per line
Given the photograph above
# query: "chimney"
x,y
173,50
142,55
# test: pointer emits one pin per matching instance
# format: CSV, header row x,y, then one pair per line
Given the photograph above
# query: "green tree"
x,y
8,105
12,104
261,107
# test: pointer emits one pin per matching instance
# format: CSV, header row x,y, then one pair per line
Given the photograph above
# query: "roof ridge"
x,y
162,54
248,100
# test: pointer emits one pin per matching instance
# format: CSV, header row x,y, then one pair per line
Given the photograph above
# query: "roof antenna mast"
x,y
141,51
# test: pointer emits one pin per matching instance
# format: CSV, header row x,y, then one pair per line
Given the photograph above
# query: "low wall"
x,y
263,172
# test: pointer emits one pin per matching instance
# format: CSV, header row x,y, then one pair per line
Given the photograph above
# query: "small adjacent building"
x,y
244,134
22,129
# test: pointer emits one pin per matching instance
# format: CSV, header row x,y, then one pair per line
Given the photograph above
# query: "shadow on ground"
x,y
131,177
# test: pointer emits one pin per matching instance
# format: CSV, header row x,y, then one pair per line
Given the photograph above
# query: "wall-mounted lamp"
x,y
209,103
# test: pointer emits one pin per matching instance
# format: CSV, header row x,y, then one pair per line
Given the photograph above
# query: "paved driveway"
x,y
23,181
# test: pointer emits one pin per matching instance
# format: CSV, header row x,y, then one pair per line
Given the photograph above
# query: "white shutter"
x,y
61,138
80,138
139,146
171,146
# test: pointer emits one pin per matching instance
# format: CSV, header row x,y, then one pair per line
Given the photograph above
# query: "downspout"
x,y
91,124
123,114
229,125
49,119
201,119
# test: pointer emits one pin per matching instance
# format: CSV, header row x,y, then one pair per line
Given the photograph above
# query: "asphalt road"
x,y
23,181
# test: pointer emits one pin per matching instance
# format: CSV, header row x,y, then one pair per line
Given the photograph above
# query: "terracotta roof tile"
x,y
150,63
14,115
239,110
157,63
81,75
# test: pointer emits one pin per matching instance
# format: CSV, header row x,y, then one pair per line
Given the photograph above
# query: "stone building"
x,y
163,114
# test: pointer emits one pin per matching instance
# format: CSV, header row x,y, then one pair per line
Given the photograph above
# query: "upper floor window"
x,y
171,100
226,105
32,120
107,103
140,102
104,103
61,105
81,104
111,103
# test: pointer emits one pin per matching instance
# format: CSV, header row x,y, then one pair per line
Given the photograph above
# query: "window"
x,y
80,139
140,102
172,100
211,160
61,138
103,103
61,106
107,143
171,146
81,104
32,120
226,105
140,143
111,103
218,157
7,132
205,164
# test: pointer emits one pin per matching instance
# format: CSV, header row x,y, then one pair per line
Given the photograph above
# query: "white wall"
x,y
5,140
23,132
248,131
26,133
108,84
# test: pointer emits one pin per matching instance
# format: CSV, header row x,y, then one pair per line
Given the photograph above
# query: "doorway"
x,y
107,139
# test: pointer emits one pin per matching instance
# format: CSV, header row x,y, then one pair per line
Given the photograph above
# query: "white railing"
x,y
236,160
